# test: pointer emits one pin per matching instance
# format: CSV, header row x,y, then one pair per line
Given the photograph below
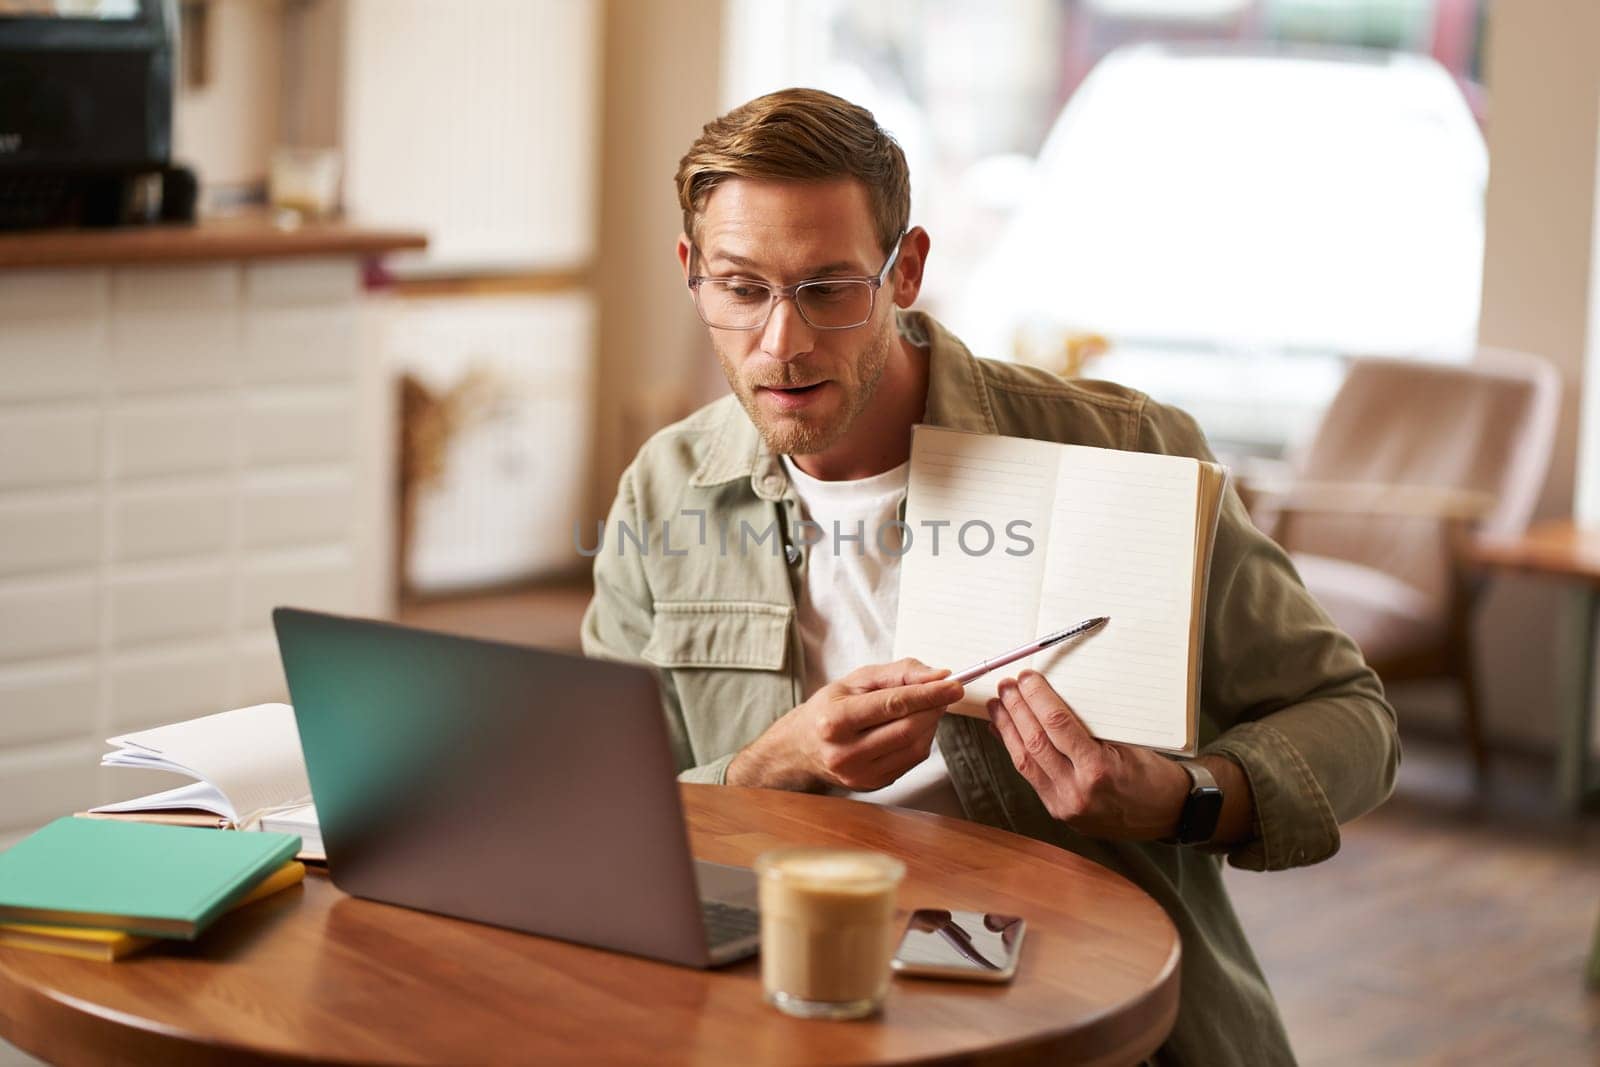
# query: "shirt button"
x,y
1299,855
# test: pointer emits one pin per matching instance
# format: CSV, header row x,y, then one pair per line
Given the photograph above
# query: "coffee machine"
x,y
86,89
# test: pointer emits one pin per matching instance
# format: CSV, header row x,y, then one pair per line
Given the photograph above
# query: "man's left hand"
x,y
1099,788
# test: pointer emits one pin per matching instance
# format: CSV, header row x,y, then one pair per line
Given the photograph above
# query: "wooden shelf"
x,y
245,236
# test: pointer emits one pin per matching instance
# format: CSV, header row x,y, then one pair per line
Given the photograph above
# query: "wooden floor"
x,y
1449,929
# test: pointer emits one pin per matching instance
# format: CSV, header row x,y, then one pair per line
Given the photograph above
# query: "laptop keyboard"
x,y
728,922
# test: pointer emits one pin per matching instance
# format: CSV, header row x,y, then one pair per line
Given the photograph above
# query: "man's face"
x,y
803,387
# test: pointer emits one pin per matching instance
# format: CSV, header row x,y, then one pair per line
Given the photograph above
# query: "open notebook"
x,y
1077,532
249,771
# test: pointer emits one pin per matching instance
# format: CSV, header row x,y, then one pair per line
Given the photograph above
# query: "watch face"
x,y
1200,814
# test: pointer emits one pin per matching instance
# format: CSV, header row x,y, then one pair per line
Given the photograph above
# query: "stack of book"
x,y
102,889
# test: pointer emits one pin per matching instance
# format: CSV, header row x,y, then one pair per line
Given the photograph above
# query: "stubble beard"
x,y
799,435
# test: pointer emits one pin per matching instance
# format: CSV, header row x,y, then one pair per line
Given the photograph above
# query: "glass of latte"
x,y
827,930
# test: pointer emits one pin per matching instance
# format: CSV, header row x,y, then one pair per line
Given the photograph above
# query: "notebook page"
x,y
958,608
252,755
1122,543
201,796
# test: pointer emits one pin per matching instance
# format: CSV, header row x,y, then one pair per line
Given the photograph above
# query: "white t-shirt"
x,y
847,606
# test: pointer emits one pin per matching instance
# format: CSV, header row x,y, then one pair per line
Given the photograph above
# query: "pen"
x,y
982,667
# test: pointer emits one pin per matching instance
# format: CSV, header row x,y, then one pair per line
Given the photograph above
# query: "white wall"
x,y
226,129
312,100
661,64
476,122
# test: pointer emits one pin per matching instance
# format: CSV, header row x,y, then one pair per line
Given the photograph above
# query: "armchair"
x,y
1411,461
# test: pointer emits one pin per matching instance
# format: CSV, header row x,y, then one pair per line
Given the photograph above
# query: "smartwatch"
x,y
1201,808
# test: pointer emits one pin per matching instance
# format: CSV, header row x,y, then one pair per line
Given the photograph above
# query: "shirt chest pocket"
x,y
727,660
730,634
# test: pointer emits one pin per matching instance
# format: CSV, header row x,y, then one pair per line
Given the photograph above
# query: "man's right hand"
x,y
860,733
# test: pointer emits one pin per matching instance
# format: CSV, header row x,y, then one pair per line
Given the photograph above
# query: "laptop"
x,y
516,786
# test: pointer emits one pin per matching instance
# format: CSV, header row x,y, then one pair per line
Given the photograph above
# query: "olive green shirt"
x,y
692,587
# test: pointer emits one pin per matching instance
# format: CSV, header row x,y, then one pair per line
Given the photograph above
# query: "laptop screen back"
x,y
510,785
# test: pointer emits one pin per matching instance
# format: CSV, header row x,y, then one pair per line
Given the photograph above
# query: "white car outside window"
x,y
1236,221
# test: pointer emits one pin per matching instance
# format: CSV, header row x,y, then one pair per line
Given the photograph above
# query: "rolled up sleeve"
x,y
1294,823
713,773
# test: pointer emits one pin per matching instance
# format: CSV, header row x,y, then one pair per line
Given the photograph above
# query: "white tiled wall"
x,y
181,449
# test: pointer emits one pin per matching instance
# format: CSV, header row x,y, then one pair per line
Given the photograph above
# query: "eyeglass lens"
x,y
735,304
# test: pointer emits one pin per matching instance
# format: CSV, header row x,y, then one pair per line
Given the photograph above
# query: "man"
x,y
797,251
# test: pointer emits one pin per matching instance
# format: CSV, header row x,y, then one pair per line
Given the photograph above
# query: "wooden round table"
x,y
312,974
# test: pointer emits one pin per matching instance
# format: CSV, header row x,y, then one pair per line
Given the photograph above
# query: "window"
x,y
1235,193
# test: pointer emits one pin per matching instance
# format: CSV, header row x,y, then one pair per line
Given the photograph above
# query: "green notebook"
x,y
161,881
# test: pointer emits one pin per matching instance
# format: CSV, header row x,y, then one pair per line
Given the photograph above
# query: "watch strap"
x,y
1202,808
1200,776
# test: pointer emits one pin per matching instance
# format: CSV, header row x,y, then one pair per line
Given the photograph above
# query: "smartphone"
x,y
972,945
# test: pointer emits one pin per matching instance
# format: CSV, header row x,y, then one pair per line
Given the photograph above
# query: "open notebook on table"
x,y
249,770
1076,532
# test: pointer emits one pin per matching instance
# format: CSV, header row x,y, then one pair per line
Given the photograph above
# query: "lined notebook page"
x,y
957,608
252,755
1122,543
1114,534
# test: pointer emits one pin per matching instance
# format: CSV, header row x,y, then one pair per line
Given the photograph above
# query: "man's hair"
x,y
799,135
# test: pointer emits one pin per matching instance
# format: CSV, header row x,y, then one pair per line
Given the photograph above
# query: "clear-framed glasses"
x,y
824,303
